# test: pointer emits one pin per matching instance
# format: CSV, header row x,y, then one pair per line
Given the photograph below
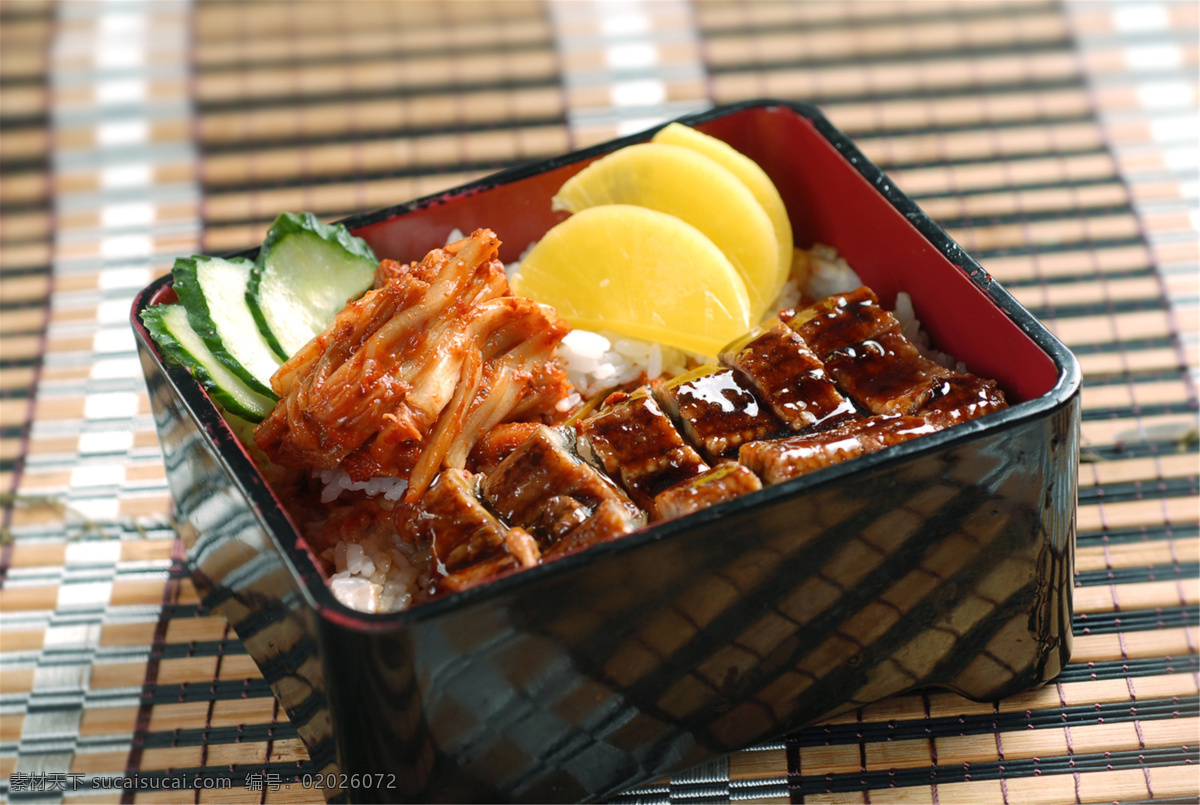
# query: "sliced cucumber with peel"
x,y
172,330
237,321
305,274
213,291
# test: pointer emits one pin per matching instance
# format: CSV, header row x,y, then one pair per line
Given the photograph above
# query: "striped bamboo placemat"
x,y
1056,144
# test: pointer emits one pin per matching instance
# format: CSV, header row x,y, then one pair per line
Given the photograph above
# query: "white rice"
x,y
374,576
374,570
910,327
596,361
336,482
830,273
817,273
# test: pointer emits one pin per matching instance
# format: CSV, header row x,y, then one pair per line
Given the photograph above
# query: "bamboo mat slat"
x,y
1054,142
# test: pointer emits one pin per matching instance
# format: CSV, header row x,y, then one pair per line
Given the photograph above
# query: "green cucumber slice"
x,y
171,329
305,274
213,291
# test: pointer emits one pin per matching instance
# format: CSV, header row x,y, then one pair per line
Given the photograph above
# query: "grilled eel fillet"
x,y
837,380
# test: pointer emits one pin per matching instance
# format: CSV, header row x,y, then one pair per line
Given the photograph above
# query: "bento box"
x,y
946,561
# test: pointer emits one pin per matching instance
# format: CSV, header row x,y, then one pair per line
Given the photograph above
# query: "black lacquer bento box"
x,y
944,561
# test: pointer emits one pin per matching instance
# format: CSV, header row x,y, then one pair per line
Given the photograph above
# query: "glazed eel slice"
x,y
958,397
544,487
871,361
772,383
638,446
789,376
843,319
717,410
469,544
725,481
541,501
780,460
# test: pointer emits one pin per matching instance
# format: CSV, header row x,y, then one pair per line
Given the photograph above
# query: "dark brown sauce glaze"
x,y
544,487
540,501
723,482
886,374
958,398
717,411
460,530
843,319
789,376
781,460
881,370
638,446
609,521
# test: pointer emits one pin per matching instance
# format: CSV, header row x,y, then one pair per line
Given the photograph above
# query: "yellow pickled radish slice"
x,y
641,273
694,188
750,174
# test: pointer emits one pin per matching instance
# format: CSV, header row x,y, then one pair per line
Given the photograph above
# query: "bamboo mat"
x,y
1056,143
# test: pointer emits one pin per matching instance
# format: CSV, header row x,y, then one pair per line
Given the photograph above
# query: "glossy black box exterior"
x,y
946,561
